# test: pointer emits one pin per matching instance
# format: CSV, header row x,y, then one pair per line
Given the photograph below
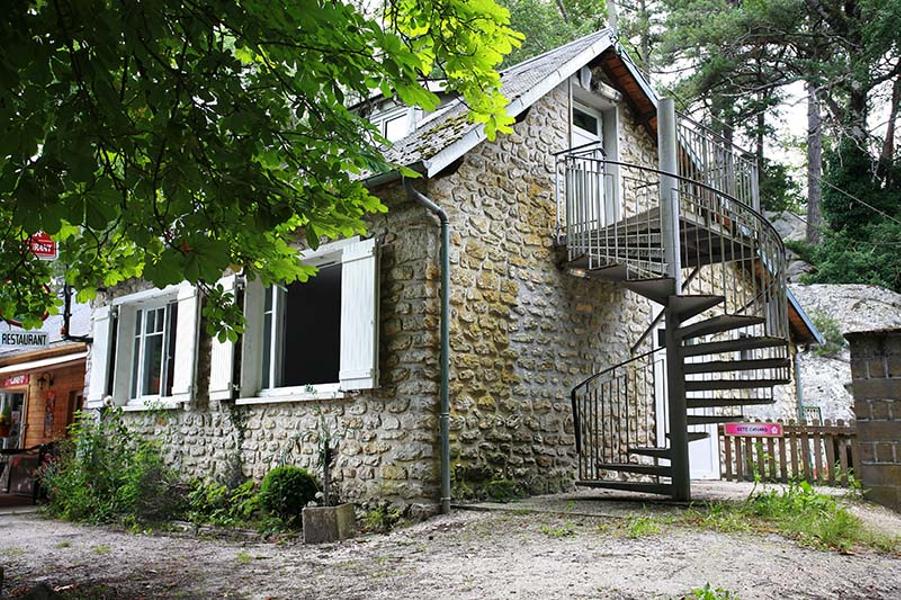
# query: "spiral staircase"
x,y
686,237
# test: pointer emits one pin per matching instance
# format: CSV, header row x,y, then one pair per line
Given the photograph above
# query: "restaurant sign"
x,y
25,339
754,429
12,381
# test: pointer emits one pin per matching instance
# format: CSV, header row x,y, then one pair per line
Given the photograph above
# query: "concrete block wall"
x,y
876,377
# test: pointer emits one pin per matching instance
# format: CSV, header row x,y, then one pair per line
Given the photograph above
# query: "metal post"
x,y
755,186
669,190
669,229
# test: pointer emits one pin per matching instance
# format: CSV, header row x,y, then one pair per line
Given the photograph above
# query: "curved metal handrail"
x,y
611,371
694,182
636,358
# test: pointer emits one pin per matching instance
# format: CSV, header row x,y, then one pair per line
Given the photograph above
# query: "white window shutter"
x,y
252,340
100,355
359,368
186,333
122,365
222,357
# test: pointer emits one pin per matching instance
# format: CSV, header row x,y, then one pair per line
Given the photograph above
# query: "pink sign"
x,y
754,429
14,381
43,246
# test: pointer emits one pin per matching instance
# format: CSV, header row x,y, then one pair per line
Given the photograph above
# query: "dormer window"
x,y
394,123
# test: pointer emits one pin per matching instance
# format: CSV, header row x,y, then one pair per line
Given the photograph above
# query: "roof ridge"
x,y
597,33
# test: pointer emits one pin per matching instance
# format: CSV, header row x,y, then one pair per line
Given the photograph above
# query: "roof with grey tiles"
x,y
450,123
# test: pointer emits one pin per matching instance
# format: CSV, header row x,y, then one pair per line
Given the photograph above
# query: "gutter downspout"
x,y
799,388
444,360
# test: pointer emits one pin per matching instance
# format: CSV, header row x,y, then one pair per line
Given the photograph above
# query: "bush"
x,y
286,490
502,490
217,504
832,333
105,472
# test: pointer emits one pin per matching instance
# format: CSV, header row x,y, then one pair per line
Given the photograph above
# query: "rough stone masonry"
x,y
523,332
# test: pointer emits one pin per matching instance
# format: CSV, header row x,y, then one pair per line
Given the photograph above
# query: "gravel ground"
x,y
468,555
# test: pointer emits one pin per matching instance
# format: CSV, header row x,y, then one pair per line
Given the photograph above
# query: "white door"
x,y
703,455
592,178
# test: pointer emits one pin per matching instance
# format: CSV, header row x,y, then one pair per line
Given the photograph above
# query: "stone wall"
x,y
876,373
524,331
387,450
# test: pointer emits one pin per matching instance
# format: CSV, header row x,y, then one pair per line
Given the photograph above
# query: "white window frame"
x,y
136,393
124,311
340,252
610,119
381,120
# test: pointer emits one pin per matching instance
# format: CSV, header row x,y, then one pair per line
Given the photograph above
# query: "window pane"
x,y
312,343
138,316
135,361
267,339
397,128
172,311
152,366
585,121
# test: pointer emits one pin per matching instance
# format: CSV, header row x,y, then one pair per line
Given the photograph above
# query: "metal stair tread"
x,y
690,305
718,366
663,489
718,402
652,451
659,470
657,289
710,419
695,436
721,347
704,385
717,324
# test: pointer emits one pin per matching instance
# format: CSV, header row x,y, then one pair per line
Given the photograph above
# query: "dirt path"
x,y
468,555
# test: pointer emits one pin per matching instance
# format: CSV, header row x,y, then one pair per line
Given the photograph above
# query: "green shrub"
x,y
217,504
286,490
502,490
831,330
382,518
710,593
105,472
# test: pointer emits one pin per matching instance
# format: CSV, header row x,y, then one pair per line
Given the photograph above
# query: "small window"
x,y
397,127
302,331
583,120
153,351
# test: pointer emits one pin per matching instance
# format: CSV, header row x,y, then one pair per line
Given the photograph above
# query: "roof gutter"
x,y
444,360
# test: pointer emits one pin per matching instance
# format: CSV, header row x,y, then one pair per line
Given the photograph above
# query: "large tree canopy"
x,y
171,139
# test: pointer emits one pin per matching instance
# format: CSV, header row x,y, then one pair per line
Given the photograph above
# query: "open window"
x,y
312,340
144,348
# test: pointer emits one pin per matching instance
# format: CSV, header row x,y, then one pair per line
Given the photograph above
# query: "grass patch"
x,y
243,558
710,593
13,552
800,513
567,529
63,544
638,527
101,549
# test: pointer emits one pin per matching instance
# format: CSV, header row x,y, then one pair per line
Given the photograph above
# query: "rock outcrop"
x,y
826,381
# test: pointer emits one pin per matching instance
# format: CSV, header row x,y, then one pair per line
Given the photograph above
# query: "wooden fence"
x,y
814,452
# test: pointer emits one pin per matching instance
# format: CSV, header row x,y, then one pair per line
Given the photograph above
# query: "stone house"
x,y
357,350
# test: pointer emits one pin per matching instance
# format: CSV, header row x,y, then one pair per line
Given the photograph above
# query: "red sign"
x,y
43,246
14,381
754,429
